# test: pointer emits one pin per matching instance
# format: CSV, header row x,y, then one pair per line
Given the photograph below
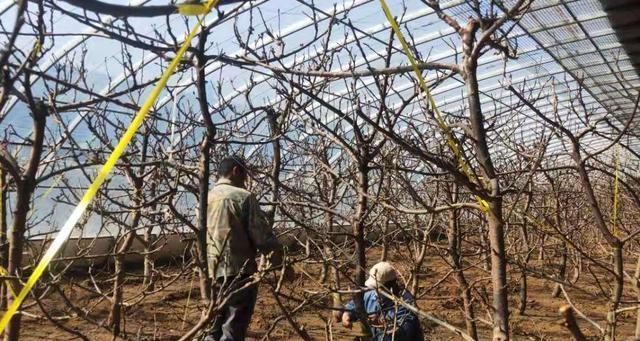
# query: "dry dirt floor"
x,y
167,314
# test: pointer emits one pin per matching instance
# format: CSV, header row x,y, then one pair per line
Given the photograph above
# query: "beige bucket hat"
x,y
380,274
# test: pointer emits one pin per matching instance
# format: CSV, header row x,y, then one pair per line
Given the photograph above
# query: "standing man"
x,y
236,232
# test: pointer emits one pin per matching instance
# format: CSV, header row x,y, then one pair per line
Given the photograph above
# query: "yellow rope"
x,y
432,103
47,192
67,228
54,184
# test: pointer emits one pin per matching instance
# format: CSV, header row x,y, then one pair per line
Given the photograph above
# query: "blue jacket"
x,y
407,325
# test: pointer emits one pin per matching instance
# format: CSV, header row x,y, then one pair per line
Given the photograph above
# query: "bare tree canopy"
x,y
123,11
506,199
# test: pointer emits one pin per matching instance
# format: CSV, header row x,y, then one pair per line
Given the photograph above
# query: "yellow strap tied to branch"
x,y
4,272
193,9
431,102
68,226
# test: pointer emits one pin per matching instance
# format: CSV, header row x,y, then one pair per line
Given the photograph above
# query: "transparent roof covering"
x,y
556,38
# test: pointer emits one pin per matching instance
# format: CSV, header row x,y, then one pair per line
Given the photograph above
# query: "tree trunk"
x,y
115,316
203,168
358,226
566,312
455,259
542,248
614,243
563,261
201,233
636,285
24,191
562,272
486,249
494,211
524,231
385,241
16,246
3,236
417,266
522,297
276,164
498,272
577,269
616,294
149,239
330,273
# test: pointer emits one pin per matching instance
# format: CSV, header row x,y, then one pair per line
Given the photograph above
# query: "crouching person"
x,y
236,232
388,320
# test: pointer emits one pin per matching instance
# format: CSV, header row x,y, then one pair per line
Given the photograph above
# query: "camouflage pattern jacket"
x,y
236,231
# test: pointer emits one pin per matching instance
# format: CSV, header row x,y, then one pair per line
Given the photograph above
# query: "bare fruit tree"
x,y
513,180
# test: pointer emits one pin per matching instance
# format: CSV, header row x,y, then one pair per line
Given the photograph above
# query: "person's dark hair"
x,y
394,287
226,165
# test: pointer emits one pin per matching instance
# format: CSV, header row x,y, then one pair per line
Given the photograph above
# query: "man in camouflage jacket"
x,y
236,231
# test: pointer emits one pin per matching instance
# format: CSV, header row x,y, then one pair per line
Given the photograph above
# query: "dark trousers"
x,y
233,320
409,331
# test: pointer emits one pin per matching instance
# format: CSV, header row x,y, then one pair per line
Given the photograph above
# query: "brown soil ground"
x,y
165,315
